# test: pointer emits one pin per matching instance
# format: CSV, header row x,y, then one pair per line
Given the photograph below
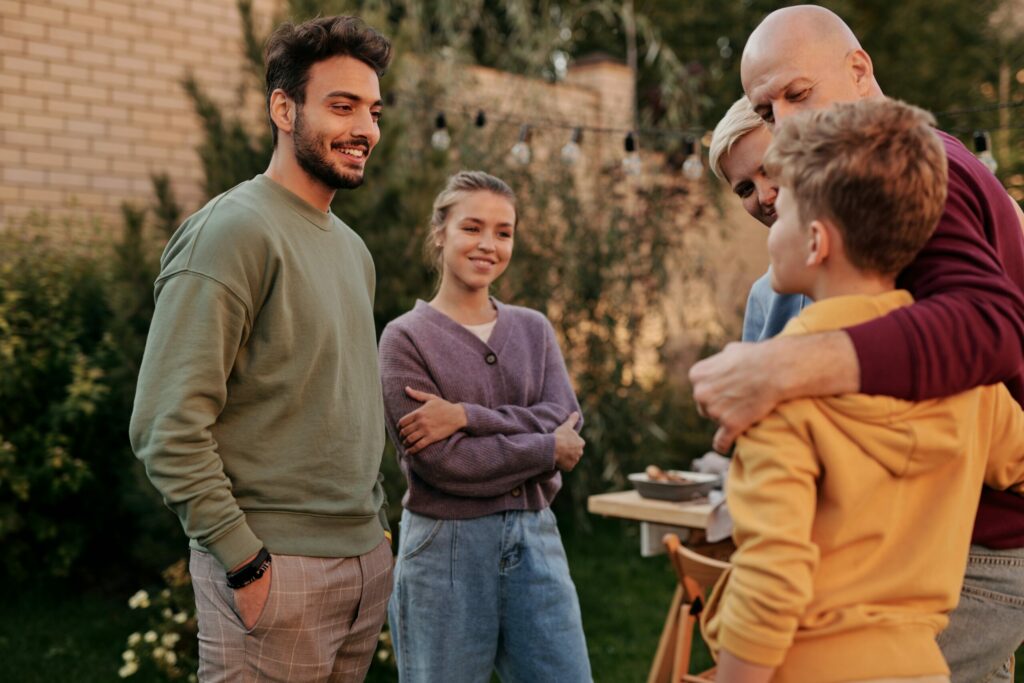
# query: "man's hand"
x,y
742,385
732,669
568,444
251,599
434,421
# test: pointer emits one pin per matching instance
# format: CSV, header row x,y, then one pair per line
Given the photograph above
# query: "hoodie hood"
x,y
905,437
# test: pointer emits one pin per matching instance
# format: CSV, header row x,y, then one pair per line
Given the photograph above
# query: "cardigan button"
x,y
517,492
491,359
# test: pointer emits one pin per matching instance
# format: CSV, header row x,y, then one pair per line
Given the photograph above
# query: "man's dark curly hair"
x,y
293,49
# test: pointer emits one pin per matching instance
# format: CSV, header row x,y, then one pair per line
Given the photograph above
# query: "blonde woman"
x,y
484,419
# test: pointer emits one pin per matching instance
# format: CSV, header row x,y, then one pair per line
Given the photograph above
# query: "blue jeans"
x,y
475,595
988,623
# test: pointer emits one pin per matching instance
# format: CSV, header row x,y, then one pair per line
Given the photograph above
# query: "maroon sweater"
x,y
516,392
967,327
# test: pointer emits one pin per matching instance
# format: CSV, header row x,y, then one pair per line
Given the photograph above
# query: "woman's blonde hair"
x,y
740,120
457,187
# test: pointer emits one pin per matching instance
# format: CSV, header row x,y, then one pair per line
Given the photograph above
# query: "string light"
x,y
481,119
520,151
441,139
693,169
983,150
631,163
571,152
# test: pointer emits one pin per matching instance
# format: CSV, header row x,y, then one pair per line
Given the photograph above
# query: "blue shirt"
x,y
768,311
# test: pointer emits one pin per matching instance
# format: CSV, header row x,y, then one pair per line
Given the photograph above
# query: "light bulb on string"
x,y
631,163
520,151
571,152
441,139
983,150
693,169
481,119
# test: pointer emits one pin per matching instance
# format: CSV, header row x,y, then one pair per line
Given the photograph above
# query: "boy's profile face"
x,y
789,248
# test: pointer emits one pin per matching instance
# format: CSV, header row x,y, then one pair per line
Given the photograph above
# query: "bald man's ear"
x,y
863,72
282,111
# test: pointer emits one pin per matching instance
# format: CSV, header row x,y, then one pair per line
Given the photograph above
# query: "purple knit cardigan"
x,y
515,390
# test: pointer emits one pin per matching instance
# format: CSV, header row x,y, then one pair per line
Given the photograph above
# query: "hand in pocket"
x,y
251,599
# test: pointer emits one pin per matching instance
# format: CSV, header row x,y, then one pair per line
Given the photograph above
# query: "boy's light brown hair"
x,y
874,168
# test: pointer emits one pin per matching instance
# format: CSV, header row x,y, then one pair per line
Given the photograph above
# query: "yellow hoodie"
x,y
853,519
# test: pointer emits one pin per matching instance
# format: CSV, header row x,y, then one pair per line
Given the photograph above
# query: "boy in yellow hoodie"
x,y
853,514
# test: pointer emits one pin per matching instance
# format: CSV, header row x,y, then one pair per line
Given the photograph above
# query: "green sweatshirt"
x,y
258,413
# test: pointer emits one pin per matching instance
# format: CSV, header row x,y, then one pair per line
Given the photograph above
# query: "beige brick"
x,y
87,21
69,143
24,138
142,185
68,72
108,77
192,22
37,121
91,56
72,4
47,50
129,63
151,152
66,107
24,176
127,28
9,194
44,159
149,83
166,35
11,8
88,162
109,147
85,127
68,179
131,167
150,49
88,92
174,104
109,43
67,36
147,14
41,195
23,65
103,112
169,69
129,98
10,81
111,183
11,155
12,45
26,103
22,27
132,131
45,86
45,14
112,8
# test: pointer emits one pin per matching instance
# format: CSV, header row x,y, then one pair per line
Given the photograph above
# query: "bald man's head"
x,y
804,57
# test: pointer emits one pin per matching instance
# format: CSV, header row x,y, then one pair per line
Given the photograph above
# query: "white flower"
x,y
128,669
150,637
140,599
165,593
192,678
170,658
382,655
170,639
128,655
158,653
134,639
167,613
180,618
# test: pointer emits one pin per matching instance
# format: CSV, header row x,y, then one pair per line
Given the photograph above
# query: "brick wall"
x,y
91,101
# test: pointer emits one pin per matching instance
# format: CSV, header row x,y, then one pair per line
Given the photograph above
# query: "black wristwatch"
x,y
252,571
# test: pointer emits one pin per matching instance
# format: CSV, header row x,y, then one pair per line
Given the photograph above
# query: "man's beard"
x,y
313,159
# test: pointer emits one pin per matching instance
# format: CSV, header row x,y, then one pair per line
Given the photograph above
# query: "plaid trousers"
x,y
320,622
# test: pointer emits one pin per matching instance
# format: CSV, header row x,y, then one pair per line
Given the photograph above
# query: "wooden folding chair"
x,y
697,574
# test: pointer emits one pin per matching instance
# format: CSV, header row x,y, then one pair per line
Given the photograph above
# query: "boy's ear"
x,y
819,243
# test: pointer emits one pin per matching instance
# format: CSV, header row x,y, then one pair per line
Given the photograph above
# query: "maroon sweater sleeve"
x,y
967,327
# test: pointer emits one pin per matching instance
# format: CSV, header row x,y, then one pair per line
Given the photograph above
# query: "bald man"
x,y
966,329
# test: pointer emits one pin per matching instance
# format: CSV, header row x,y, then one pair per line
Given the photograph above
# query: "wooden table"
x,y
658,517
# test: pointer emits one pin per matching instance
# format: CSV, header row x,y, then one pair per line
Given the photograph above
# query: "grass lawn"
x,y
55,634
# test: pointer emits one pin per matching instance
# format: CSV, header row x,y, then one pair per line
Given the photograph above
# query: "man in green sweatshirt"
x,y
258,413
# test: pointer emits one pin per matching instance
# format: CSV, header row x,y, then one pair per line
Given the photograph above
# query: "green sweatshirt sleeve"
x,y
198,327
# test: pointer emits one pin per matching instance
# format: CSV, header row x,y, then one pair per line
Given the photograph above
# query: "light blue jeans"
x,y
475,595
988,623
